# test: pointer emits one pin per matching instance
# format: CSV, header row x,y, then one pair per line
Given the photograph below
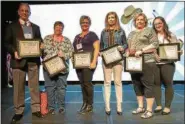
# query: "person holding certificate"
x,y
57,44
143,40
23,29
166,69
111,35
86,41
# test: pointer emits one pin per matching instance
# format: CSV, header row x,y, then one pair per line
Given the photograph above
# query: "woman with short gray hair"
x,y
142,40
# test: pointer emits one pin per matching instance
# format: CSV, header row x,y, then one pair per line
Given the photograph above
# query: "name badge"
x,y
79,46
27,36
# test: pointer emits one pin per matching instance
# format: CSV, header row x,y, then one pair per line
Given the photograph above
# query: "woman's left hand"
x,y
93,65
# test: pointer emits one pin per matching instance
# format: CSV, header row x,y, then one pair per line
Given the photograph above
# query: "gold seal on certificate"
x,y
29,48
81,60
111,55
54,65
169,52
133,64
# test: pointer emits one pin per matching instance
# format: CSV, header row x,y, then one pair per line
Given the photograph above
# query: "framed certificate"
x,y
111,55
29,48
169,52
82,60
133,64
54,65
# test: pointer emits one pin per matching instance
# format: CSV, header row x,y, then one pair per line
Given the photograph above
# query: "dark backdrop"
x,y
9,14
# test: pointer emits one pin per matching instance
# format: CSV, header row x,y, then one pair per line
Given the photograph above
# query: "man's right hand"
x,y
16,55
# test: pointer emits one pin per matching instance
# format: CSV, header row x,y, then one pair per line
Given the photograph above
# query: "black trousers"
x,y
85,77
165,76
144,82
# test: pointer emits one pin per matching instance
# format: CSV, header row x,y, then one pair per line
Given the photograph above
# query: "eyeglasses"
x,y
158,23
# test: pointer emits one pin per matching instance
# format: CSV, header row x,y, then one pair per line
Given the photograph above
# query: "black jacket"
x,y
13,32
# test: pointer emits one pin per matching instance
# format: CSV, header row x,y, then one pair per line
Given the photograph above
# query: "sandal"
x,y
147,114
138,110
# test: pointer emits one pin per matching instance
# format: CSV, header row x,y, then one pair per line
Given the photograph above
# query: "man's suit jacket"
x,y
13,32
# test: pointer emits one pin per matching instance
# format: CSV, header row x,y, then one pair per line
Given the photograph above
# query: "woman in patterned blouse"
x,y
57,44
142,40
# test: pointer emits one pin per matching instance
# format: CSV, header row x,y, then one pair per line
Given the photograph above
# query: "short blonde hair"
x,y
140,14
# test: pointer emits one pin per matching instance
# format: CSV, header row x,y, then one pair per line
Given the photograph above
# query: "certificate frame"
x,y
22,43
126,62
162,54
57,59
76,54
107,49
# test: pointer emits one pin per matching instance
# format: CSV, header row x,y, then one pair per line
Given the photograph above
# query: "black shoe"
x,y
88,109
62,110
16,117
84,105
157,110
165,113
37,114
51,111
119,113
108,112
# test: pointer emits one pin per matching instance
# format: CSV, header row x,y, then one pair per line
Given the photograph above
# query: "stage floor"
x,y
74,101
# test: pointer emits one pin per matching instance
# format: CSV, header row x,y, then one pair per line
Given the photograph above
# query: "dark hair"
x,y
59,23
167,33
85,17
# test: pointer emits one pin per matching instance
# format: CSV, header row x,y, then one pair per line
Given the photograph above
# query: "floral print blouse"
x,y
51,48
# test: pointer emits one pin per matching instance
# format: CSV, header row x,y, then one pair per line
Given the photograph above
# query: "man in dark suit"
x,y
23,29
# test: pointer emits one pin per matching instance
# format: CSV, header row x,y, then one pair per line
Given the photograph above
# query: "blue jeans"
x,y
56,89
